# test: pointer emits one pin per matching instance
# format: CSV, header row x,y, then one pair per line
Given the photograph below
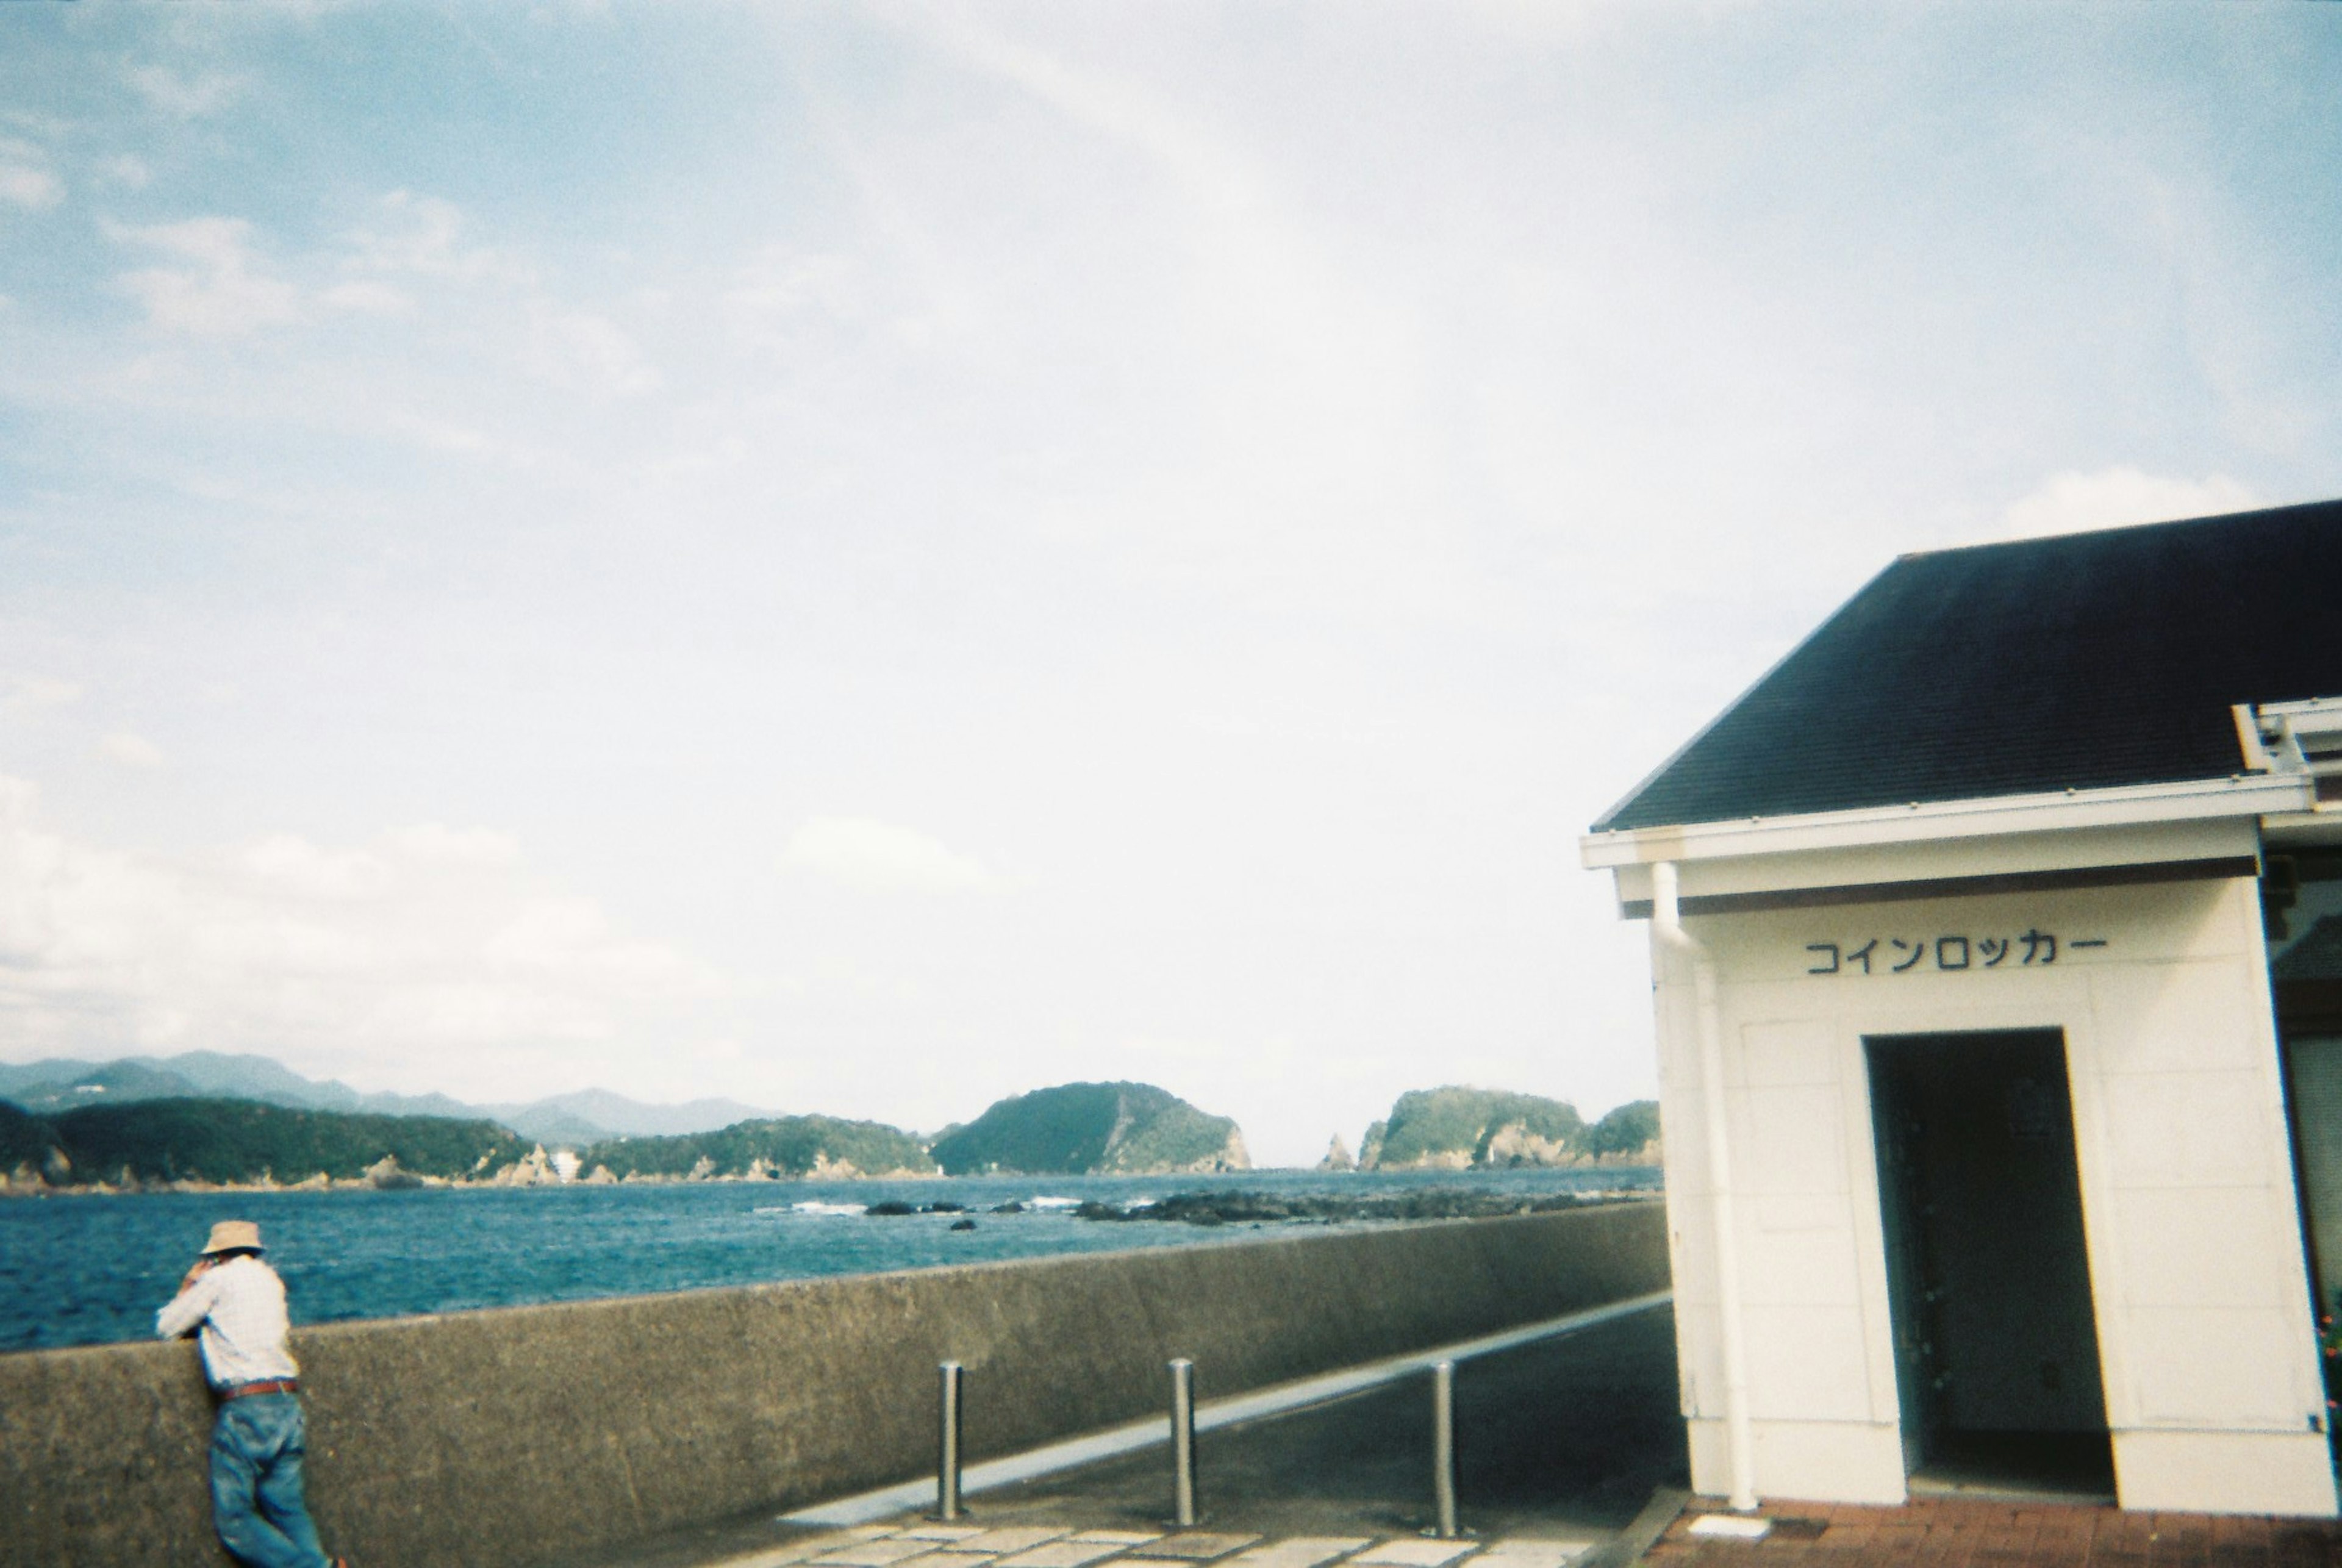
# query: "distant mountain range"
x,y
586,1116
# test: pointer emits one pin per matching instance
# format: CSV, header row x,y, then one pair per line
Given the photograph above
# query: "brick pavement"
x,y
1966,1533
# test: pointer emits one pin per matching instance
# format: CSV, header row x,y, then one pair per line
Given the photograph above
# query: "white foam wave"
x,y
1047,1202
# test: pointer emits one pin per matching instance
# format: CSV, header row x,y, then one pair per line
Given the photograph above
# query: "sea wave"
x,y
1049,1203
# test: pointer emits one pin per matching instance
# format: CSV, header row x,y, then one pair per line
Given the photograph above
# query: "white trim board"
x,y
2130,805
1279,1399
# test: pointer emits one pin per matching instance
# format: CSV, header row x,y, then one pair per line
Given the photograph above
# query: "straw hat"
x,y
230,1234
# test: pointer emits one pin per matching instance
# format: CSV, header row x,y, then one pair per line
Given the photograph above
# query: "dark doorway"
x,y
1995,1341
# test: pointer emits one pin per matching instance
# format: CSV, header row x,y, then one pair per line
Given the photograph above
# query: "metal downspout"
x,y
1667,925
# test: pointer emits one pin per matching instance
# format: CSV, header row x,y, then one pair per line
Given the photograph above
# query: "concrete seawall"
x,y
489,1439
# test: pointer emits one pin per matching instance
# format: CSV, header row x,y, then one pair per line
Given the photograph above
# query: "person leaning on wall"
x,y
235,1303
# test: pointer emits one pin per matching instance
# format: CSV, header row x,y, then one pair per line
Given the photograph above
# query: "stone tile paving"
x,y
1193,1545
1417,1553
1518,1552
928,1545
1298,1551
883,1552
1969,1532
1006,1540
1065,1554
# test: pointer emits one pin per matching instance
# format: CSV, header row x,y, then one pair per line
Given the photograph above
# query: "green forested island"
x,y
242,1142
1461,1128
816,1146
1133,1129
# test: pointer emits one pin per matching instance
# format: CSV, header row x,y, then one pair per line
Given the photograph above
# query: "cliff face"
x,y
1121,1129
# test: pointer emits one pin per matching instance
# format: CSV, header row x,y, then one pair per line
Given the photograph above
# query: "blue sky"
x,y
868,558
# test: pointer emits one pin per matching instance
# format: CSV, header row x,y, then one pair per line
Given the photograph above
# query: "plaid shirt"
x,y
241,1305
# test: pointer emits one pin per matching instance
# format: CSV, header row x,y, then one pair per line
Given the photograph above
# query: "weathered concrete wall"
x,y
492,1438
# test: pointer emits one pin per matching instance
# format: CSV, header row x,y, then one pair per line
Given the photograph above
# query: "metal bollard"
x,y
947,1443
1443,1447
1182,1442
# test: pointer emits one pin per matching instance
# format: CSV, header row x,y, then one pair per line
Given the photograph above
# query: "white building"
x,y
1983,1164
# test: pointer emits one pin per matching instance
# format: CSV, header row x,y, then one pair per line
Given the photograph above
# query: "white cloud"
x,y
368,299
293,865
127,170
25,178
131,750
187,97
577,349
28,187
860,852
223,294
26,692
477,847
427,960
782,280
424,237
2114,497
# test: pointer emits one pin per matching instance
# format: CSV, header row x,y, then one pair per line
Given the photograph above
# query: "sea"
x,y
89,1270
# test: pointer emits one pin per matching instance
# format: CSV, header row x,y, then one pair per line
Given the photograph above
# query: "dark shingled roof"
x,y
2085,661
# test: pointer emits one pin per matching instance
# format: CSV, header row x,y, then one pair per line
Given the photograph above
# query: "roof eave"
x,y
2249,794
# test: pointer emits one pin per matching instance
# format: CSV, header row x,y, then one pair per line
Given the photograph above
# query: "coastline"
x,y
20,1184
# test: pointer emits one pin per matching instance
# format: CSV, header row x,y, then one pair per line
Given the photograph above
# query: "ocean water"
x,y
90,1270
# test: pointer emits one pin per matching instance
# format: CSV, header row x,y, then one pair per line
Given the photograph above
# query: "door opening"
x,y
1988,1276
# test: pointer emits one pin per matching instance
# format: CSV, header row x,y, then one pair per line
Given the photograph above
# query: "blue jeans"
x,y
258,1442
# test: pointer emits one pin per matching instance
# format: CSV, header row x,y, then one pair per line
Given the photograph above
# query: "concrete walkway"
x,y
1043,1546
1570,1455
1559,1447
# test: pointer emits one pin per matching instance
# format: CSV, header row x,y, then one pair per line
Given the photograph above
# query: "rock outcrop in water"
x,y
1076,1129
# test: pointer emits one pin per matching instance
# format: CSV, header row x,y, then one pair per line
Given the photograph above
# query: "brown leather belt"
x,y
266,1385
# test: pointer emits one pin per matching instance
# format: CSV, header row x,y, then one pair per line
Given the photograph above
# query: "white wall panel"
x,y
2186,1171
2209,1367
2186,1129
1806,1363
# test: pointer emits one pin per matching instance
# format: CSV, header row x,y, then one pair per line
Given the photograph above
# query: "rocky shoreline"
x,y
1306,1208
26,1183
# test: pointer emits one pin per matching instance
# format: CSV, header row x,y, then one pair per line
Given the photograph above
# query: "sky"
x,y
868,558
